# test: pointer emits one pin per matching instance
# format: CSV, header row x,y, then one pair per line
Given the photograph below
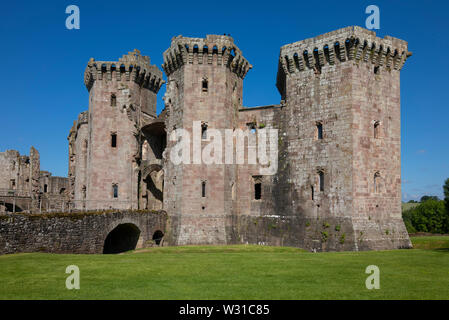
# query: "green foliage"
x,y
337,228
342,238
324,236
430,216
326,225
446,195
426,198
307,224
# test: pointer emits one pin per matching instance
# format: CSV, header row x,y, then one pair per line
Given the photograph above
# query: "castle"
x,y
338,181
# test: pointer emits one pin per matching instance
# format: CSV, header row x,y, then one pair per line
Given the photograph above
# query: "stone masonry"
x,y
337,131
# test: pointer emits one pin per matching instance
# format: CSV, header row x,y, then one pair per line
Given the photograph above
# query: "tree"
x,y
429,216
425,198
446,195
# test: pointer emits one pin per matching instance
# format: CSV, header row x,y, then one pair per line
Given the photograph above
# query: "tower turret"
x,y
204,92
342,94
122,96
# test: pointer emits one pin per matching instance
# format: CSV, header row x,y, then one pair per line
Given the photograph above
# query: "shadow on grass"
x,y
446,250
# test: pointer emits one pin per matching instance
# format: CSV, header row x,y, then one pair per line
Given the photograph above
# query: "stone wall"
x,y
73,232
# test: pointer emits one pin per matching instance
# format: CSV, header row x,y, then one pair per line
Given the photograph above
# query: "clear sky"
x,y
42,88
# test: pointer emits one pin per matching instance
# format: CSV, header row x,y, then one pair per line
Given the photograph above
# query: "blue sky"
x,y
42,89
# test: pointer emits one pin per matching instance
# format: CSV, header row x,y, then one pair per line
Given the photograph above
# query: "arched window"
x,y
376,129
376,181
320,175
45,188
204,85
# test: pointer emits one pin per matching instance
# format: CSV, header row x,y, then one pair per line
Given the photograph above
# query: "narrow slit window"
x,y
376,129
115,191
258,191
113,100
321,180
203,189
113,140
312,193
319,131
205,85
204,131
376,182
45,188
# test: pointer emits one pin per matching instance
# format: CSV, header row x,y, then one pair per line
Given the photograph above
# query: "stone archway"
x,y
158,236
123,237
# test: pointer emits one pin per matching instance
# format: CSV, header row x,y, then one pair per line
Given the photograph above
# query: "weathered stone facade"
x,y
105,142
337,184
23,187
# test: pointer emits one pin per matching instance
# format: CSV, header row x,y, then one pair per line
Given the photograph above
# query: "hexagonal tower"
x,y
122,95
204,85
342,97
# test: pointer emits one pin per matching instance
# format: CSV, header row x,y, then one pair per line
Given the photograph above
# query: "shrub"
x,y
429,216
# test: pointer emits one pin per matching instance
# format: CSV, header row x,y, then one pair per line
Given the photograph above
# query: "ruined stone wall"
x,y
73,232
266,117
19,178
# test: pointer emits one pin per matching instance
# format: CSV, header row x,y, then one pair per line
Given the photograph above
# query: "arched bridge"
x,y
82,232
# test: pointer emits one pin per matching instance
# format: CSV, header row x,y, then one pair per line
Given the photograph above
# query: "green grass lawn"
x,y
232,272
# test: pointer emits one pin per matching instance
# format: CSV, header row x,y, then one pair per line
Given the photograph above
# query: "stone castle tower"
x,y
337,184
105,141
204,86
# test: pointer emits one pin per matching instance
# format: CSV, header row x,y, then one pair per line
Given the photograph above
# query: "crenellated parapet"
x,y
214,49
131,67
83,118
348,44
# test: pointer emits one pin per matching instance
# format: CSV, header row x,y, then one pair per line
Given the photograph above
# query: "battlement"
x,y
83,118
214,49
350,43
130,67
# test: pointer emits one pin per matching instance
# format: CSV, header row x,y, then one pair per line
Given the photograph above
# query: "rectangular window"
x,y
258,191
203,189
319,131
113,140
12,184
115,191
204,131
